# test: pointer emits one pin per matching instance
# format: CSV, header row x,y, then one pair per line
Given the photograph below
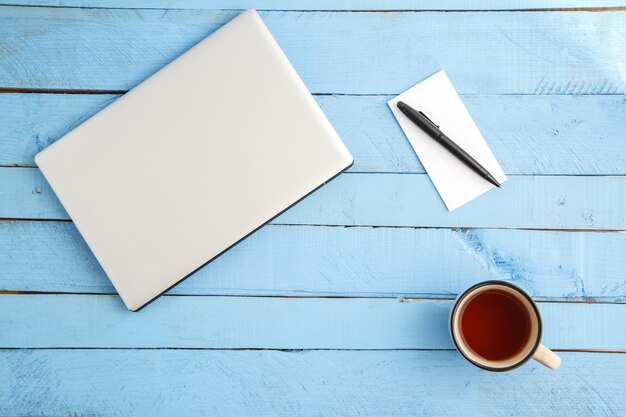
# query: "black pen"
x,y
431,129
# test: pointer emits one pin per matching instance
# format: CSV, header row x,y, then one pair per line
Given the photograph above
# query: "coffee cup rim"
x,y
474,287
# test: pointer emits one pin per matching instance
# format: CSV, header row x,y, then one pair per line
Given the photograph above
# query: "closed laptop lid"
x,y
193,159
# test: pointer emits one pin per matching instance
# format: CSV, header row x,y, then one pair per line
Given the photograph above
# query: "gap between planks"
x,y
593,351
395,173
52,91
400,298
522,10
367,226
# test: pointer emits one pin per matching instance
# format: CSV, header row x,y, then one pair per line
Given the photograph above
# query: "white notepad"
x,y
456,183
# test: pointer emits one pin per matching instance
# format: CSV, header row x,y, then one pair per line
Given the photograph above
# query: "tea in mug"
x,y
495,325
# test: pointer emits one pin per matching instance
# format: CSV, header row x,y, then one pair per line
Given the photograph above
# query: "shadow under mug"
x,y
532,348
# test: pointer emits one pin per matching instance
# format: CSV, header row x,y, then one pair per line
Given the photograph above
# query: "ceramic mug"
x,y
480,339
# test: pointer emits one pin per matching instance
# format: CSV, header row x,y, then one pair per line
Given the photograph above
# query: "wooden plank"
x,y
564,202
315,5
311,383
102,321
315,383
364,53
353,261
16,184
557,142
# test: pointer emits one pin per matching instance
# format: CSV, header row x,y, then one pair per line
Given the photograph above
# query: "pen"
x,y
431,129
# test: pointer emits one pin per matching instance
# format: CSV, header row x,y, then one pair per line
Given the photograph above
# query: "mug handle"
x,y
546,357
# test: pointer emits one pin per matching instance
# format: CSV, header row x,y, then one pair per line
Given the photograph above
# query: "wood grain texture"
x,y
102,321
364,53
502,62
338,261
311,383
528,134
554,202
341,5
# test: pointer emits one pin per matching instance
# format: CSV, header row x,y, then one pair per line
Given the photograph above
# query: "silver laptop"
x,y
193,160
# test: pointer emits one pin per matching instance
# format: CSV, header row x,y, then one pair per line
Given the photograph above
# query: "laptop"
x,y
193,160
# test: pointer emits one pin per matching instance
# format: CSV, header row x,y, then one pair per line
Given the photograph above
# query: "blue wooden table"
x,y
339,306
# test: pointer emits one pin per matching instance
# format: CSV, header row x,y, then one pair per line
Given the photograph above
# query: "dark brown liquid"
x,y
495,325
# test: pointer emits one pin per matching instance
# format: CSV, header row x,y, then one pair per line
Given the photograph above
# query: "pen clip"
x,y
428,118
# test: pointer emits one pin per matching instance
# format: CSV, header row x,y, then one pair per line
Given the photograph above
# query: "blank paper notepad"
x,y
456,183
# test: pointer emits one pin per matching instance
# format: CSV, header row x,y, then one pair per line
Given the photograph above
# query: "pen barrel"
x,y
431,129
426,126
457,151
419,119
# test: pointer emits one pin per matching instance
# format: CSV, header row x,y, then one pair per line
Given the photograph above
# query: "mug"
x,y
496,326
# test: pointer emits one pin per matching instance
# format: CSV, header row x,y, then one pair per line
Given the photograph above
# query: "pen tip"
x,y
400,104
494,181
